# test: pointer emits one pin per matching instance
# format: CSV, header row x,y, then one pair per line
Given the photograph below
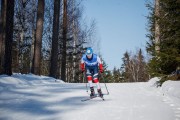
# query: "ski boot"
x,y
92,92
100,93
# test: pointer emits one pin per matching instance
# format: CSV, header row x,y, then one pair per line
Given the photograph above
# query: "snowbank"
x,y
25,80
153,82
171,88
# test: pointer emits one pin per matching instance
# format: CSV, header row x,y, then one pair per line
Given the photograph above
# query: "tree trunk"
x,y
9,37
157,29
74,45
54,49
2,33
33,38
38,39
63,67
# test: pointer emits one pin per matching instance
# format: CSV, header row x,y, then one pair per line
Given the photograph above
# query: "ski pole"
x,y
85,81
105,84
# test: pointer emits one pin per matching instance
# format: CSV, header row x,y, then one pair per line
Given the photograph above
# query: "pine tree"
x,y
168,58
116,75
126,62
106,74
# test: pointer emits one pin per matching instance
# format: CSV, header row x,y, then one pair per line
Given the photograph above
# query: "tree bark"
x,y
2,33
38,38
54,49
63,67
9,38
74,45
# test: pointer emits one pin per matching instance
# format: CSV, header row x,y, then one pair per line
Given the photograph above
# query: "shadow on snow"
x,y
25,100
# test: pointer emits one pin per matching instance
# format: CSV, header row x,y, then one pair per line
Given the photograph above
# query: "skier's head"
x,y
89,53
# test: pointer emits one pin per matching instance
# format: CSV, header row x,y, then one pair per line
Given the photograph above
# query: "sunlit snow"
x,y
31,97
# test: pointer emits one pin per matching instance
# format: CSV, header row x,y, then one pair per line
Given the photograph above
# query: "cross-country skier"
x,y
90,63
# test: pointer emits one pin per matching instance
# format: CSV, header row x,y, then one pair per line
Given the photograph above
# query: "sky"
x,y
121,26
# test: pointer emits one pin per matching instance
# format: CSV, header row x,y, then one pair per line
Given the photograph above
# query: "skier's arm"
x,y
82,65
100,65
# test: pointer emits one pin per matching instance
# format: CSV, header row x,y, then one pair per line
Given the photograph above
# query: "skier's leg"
x,y
89,78
95,77
96,80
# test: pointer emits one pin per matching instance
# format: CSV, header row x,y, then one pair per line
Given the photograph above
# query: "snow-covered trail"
x,y
62,101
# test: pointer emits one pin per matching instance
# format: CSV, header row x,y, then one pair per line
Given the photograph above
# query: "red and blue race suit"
x,y
91,67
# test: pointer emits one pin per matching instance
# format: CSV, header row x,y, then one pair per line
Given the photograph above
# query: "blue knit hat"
x,y
89,51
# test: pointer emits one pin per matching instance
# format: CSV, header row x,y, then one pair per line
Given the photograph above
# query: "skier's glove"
x,y
101,68
101,71
82,67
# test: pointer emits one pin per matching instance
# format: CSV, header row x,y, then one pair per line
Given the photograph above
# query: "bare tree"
x,y
141,75
9,38
23,22
38,39
135,67
47,38
32,20
63,65
78,32
74,43
54,49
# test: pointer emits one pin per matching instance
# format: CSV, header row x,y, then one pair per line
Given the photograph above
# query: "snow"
x,y
31,97
153,81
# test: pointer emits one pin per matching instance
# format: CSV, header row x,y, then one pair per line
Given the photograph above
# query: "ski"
x,y
88,98
92,98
